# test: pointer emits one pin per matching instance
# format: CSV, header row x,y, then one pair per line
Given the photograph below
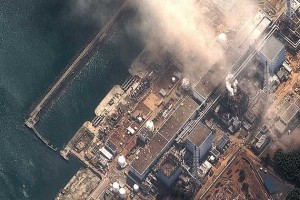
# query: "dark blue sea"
x,y
37,41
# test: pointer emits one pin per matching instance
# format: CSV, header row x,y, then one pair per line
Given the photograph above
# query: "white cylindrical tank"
x,y
122,193
150,126
121,161
173,79
140,119
136,187
115,187
222,37
186,84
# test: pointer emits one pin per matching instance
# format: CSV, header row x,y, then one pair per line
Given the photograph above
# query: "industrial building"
x,y
162,140
223,143
206,86
215,153
169,169
288,115
251,32
204,169
272,54
262,139
200,137
231,109
289,25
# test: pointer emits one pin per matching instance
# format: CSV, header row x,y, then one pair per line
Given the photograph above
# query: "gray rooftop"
x,y
215,152
208,83
169,165
178,118
272,48
283,108
149,154
290,113
261,141
199,134
166,133
297,102
280,126
223,142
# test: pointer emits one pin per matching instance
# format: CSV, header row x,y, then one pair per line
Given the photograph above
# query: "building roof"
x,y
261,141
280,126
199,134
169,165
283,108
272,48
215,152
297,102
164,136
249,34
223,142
250,116
149,154
290,113
270,184
207,84
178,118
205,167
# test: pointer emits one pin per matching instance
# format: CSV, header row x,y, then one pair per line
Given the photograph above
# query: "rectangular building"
x,y
169,169
163,138
206,86
201,137
272,54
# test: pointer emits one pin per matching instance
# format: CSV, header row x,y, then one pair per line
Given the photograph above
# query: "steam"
x,y
231,88
181,26
235,83
93,11
291,140
228,84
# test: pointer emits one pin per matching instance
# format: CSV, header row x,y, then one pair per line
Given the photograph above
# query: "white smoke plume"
x,y
181,27
228,84
235,83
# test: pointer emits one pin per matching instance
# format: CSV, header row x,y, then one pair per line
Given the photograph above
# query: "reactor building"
x,y
200,138
272,54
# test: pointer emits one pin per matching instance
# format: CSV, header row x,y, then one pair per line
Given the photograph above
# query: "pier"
x,y
100,37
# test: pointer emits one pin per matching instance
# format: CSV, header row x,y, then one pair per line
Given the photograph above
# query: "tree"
x,y
294,194
288,165
242,175
266,160
245,188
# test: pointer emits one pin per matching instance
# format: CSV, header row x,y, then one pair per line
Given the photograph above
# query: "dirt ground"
x,y
238,181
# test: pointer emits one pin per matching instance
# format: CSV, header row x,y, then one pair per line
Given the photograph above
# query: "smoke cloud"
x,y
93,11
229,87
291,140
181,27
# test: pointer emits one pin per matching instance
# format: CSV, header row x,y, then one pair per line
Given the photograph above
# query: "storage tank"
x,y
115,187
122,161
222,37
150,126
136,187
186,84
173,79
122,193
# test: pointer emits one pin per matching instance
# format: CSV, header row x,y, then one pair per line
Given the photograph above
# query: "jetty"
x,y
70,69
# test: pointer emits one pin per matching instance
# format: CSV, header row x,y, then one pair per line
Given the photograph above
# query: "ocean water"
x,y
37,40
